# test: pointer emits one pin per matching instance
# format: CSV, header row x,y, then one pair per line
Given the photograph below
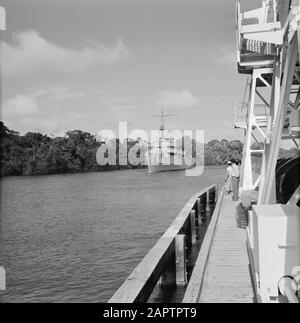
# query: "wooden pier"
x,y
227,276
222,271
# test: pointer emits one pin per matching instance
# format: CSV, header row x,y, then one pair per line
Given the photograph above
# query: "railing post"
x,y
168,277
199,212
203,204
211,200
193,228
207,201
181,277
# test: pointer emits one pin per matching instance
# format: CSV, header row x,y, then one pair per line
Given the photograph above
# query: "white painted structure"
x,y
275,244
268,48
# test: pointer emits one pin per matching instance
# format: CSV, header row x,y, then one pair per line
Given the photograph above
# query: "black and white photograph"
x,y
149,154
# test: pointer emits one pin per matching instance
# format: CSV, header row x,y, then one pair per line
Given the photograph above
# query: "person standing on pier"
x,y
228,178
235,179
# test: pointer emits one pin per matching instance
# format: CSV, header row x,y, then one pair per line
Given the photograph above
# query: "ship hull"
x,y
166,168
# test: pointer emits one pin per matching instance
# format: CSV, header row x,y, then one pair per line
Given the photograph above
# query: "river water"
x,y
76,238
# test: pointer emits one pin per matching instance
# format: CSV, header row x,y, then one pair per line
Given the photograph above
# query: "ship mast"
x,y
162,115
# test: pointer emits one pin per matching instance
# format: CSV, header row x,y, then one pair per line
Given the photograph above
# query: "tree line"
x,y
38,154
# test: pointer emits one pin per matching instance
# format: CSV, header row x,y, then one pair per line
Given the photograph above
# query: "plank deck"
x,y
227,277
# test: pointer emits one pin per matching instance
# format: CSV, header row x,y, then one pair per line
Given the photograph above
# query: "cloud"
x,y
53,108
20,106
181,99
56,94
33,54
23,113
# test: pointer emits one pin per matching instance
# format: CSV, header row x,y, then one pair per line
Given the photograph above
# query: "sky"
x,y
89,64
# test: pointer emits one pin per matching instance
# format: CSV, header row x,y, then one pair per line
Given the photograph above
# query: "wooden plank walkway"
x,y
227,277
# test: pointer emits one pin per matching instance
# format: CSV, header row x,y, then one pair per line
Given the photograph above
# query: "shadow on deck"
x,y
227,276
222,271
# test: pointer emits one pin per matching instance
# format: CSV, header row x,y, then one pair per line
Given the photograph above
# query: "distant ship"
x,y
164,155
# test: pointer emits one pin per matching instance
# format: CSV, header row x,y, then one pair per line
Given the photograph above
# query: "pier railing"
x,y
166,262
194,287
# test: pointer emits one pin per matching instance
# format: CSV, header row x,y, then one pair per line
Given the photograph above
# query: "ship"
x,y
164,155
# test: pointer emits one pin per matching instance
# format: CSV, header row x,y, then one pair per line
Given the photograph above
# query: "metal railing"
x,y
240,115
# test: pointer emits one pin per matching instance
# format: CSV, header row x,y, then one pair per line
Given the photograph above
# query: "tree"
x,y
38,154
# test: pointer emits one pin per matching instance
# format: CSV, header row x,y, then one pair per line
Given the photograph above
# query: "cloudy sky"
x,y
88,64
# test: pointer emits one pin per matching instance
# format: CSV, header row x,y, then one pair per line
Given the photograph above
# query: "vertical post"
x,y
274,103
299,43
193,228
212,199
199,211
168,277
204,207
247,178
181,277
267,194
207,201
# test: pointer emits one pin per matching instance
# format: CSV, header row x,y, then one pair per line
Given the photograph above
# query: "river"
x,y
76,238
